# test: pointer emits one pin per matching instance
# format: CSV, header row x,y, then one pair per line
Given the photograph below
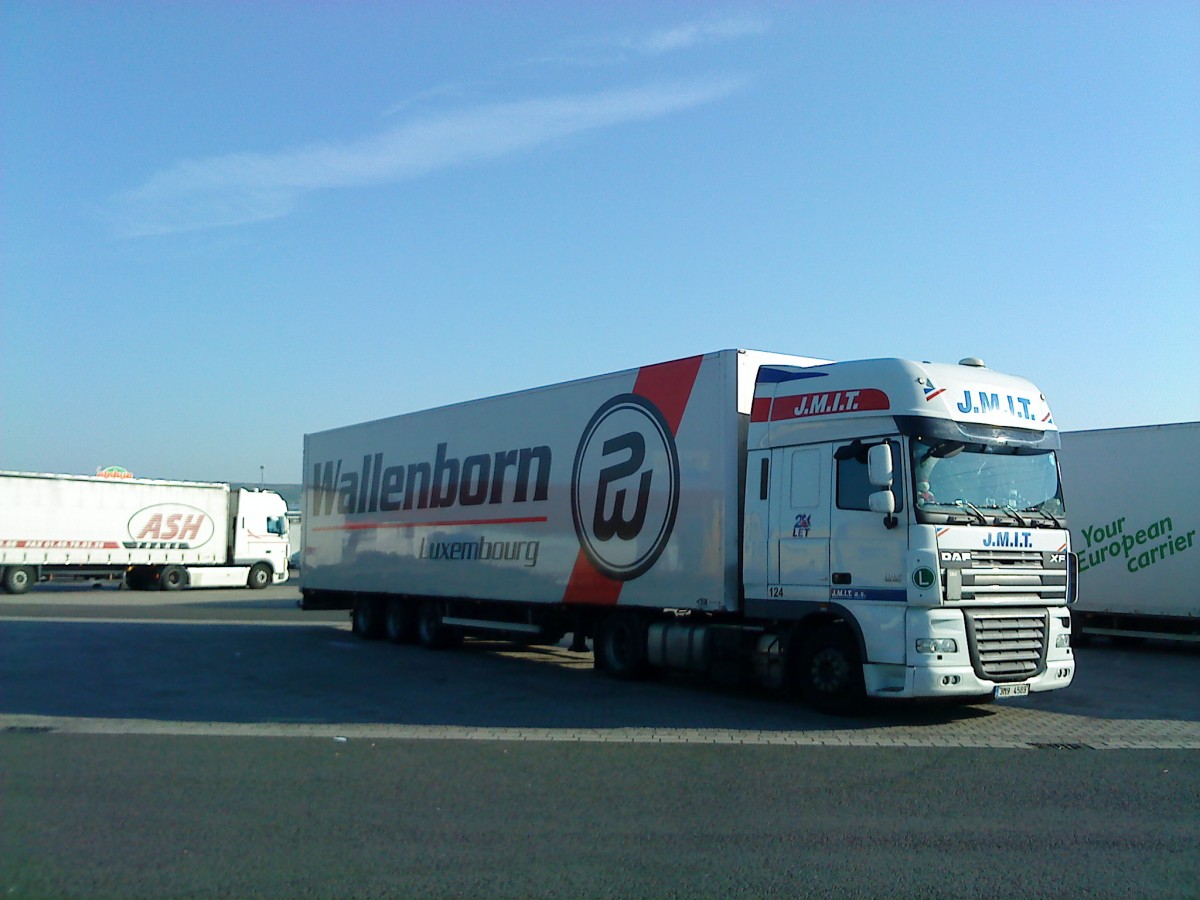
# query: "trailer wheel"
x,y
830,670
18,579
621,646
400,624
260,576
432,632
367,619
172,578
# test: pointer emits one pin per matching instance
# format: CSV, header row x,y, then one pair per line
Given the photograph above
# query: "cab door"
x,y
867,557
800,522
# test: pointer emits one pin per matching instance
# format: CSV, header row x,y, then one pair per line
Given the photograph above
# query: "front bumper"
x,y
954,681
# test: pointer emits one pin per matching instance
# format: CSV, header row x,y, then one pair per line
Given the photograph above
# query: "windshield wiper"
x,y
1016,515
967,504
1045,512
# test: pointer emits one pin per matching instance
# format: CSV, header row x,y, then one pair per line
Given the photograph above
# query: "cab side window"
x,y
853,486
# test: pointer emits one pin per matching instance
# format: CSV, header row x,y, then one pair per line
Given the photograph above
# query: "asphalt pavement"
x,y
224,743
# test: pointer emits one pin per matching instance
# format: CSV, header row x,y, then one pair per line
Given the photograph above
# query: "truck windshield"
x,y
986,484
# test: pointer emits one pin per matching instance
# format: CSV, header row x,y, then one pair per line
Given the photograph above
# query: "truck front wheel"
x,y
260,576
18,579
830,670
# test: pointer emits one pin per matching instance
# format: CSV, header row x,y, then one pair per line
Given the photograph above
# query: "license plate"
x,y
1011,690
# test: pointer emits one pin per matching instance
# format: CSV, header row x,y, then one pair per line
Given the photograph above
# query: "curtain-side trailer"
x,y
877,527
1134,520
153,534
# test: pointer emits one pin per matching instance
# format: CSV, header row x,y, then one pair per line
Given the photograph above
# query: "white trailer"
x,y
153,534
1134,520
739,513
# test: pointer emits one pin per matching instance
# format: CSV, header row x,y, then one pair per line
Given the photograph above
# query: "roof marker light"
x,y
972,361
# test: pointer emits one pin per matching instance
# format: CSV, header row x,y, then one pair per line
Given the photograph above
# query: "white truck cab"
x,y
921,504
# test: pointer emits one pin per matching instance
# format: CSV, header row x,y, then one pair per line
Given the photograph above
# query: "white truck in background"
x,y
880,528
154,534
1134,519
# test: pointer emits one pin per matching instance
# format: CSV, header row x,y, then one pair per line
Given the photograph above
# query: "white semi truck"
x,y
879,527
155,534
1134,521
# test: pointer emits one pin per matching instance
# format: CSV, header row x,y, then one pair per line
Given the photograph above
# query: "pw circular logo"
x,y
625,487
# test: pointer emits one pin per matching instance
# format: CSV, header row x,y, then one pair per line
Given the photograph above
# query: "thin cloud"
x,y
244,188
699,33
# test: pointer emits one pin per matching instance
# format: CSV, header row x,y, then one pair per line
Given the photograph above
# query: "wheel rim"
x,y
830,672
620,644
427,625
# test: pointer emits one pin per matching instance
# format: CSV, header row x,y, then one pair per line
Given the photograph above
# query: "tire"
x,y
432,633
260,576
18,579
621,646
830,671
367,618
172,578
400,622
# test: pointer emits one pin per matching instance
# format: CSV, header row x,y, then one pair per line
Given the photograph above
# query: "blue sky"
x,y
225,224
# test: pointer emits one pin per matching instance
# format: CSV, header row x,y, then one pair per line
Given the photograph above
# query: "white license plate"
x,y
1011,690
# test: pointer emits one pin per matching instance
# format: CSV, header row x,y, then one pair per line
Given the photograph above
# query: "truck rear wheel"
x,y
172,578
830,670
18,579
260,576
621,646
432,632
400,624
367,620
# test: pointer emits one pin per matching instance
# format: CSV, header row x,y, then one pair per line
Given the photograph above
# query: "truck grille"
x,y
998,576
1007,644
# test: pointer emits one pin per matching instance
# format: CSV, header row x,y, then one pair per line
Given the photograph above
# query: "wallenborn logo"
x,y
625,487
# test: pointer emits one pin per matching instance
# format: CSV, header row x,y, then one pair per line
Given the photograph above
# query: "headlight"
x,y
1063,640
937,645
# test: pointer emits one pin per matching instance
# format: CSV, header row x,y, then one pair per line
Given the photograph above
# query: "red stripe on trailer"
x,y
669,387
590,586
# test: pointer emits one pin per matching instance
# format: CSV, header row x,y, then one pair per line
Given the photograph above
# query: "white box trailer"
x,y
738,512
1134,523
153,534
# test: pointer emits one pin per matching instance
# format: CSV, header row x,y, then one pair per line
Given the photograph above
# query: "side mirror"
x,y
883,502
879,466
